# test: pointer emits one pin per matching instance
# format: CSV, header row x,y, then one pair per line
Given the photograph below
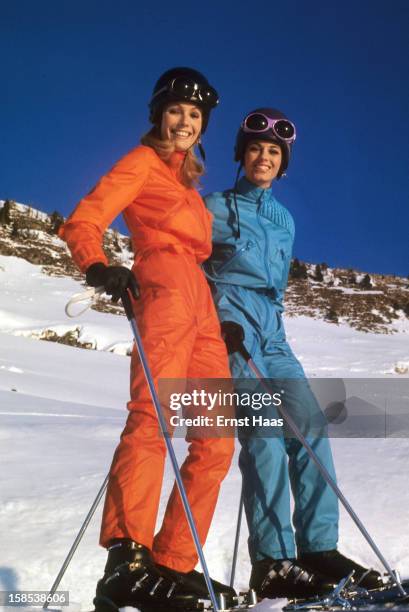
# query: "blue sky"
x,y
77,76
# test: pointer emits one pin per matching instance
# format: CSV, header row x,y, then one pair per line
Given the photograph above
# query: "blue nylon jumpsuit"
x,y
248,276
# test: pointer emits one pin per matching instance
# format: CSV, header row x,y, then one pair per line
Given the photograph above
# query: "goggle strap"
x,y
170,88
196,88
160,91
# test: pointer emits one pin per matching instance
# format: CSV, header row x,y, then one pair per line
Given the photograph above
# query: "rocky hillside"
x,y
368,302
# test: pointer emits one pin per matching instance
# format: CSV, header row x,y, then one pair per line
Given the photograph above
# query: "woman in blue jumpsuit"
x,y
253,237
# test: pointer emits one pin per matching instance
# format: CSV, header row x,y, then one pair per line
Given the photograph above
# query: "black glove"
x,y
114,279
233,335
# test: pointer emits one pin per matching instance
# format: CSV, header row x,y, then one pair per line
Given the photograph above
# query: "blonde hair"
x,y
192,169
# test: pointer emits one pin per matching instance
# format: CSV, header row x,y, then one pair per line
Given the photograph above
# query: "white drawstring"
x,y
89,297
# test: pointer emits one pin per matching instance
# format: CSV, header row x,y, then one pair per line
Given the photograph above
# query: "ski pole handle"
x,y
86,298
127,304
244,353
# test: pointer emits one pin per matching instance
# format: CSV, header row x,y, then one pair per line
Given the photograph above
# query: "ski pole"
x,y
86,297
126,301
324,472
76,543
237,539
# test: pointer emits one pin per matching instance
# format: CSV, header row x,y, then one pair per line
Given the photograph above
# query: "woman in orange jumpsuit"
x,y
153,186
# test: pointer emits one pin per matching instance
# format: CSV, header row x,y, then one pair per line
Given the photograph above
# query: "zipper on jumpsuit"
x,y
249,245
266,259
266,248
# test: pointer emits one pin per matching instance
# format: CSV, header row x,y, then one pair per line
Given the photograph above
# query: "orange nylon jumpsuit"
x,y
171,234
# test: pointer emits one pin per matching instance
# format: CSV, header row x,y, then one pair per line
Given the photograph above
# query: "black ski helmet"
x,y
170,87
243,138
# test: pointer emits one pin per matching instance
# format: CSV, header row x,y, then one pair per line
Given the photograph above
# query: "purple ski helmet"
x,y
267,124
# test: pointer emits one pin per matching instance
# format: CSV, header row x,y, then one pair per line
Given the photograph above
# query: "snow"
x,y
401,324
34,302
350,291
62,410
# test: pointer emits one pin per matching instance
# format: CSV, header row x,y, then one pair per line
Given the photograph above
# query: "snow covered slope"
x,y
62,410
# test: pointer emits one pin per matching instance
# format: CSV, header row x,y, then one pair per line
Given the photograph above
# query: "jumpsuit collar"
x,y
176,160
251,191
175,163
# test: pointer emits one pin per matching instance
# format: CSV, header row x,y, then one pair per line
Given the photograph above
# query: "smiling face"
x,y
181,123
262,161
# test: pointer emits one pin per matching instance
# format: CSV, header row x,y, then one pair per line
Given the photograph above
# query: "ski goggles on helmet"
x,y
258,123
189,90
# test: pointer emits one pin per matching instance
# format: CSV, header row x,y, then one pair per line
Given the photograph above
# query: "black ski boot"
x,y
194,582
336,566
285,578
132,579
